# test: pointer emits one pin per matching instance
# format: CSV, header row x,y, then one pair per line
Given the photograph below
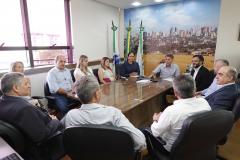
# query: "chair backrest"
x,y
236,109
91,142
46,89
95,72
72,74
12,136
200,135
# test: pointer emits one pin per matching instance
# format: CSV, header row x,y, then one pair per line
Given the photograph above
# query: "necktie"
x,y
192,72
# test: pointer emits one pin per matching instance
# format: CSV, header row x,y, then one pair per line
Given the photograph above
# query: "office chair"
x,y
92,142
45,150
95,72
72,74
236,113
12,136
51,101
199,136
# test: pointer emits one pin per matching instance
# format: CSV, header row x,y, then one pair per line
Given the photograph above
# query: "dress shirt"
x,y
57,78
99,114
167,72
78,73
171,120
212,88
196,72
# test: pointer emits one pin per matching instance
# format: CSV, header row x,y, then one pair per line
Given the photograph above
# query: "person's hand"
x,y
133,74
156,116
198,93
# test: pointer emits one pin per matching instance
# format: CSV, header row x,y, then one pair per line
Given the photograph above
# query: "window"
x,y
34,32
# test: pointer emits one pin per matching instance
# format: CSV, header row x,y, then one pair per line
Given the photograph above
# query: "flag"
x,y
139,58
129,29
116,56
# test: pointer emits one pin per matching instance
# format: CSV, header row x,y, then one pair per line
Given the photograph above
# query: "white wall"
x,y
228,46
91,27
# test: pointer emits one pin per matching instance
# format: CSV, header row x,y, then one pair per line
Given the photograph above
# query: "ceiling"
x,y
127,3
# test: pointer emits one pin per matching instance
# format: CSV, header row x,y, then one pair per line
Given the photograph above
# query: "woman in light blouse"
x,y
82,68
105,73
17,66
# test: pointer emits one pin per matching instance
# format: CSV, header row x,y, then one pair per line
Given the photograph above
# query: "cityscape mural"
x,y
184,27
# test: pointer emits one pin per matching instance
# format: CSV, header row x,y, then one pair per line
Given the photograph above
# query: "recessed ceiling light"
x,y
136,3
158,1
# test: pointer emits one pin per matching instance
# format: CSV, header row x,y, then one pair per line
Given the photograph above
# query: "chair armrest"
x,y
41,97
151,136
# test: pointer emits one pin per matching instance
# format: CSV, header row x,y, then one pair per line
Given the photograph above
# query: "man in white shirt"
x,y
168,124
60,84
91,112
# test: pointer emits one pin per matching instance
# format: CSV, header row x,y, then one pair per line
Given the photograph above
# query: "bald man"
x,y
228,91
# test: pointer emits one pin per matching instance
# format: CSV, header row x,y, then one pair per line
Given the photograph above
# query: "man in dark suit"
x,y
36,125
200,73
227,91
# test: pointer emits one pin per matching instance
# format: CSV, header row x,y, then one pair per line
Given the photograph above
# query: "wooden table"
x,y
138,102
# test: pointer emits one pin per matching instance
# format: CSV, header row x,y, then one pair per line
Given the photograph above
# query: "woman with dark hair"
x,y
105,72
82,68
130,67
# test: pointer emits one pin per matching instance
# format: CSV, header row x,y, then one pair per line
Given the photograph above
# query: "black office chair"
x,y
72,74
45,150
92,142
118,70
12,136
199,136
95,72
51,101
236,113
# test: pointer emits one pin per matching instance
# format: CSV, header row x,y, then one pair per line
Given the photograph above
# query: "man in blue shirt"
x,y
167,69
60,84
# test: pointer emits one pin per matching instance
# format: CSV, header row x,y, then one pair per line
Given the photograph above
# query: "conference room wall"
x,y
228,45
91,28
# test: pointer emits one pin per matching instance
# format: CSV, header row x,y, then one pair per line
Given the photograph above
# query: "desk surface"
x,y
125,95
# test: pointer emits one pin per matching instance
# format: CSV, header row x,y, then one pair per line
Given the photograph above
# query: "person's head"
x,y
88,90
184,86
169,59
226,74
130,57
17,66
220,63
60,61
105,62
15,84
197,61
82,62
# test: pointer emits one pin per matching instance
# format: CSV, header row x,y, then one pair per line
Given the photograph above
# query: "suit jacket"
x,y
34,124
202,79
224,98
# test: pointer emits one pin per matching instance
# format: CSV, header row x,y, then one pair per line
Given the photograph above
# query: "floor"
x,y
231,150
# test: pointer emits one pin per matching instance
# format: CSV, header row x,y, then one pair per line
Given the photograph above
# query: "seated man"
x,y
91,112
167,69
36,126
168,124
213,87
60,84
228,91
200,73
